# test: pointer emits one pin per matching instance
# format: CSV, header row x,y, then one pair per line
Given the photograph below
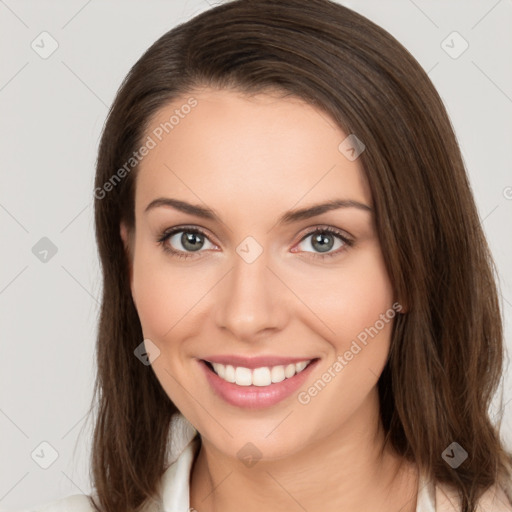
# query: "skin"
x,y
251,159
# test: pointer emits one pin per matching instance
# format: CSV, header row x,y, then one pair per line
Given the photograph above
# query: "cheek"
x,y
156,293
169,298
351,298
356,305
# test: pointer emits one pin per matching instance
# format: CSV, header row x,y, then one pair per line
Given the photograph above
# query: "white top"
x,y
175,491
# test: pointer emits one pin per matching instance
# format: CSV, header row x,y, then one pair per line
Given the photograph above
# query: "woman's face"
x,y
256,287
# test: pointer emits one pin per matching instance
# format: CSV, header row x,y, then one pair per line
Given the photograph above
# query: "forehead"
x,y
260,149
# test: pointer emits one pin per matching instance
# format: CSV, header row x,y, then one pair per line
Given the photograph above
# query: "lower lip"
x,y
256,397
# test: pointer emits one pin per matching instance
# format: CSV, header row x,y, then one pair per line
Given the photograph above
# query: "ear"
x,y
128,247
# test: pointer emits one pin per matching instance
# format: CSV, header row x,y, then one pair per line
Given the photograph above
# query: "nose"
x,y
251,302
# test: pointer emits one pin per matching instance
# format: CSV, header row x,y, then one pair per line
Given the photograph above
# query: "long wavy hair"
x,y
447,351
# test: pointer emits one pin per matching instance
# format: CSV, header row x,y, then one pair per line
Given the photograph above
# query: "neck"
x,y
348,470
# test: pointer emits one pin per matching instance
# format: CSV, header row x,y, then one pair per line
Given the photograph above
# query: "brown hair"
x,y
447,351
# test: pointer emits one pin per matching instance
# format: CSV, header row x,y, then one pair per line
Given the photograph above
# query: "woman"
x,y
299,308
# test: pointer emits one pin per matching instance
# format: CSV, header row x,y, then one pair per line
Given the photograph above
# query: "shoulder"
x,y
75,503
494,499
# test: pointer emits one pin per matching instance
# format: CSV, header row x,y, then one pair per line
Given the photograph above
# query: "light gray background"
x,y
53,111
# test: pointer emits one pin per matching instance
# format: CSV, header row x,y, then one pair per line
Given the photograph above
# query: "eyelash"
x,y
168,233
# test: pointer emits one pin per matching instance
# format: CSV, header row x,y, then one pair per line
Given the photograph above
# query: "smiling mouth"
x,y
263,376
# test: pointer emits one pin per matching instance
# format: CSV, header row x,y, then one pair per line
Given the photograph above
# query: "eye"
x,y
190,239
323,239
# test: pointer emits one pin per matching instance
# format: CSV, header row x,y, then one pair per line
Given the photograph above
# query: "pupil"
x,y
323,240
191,241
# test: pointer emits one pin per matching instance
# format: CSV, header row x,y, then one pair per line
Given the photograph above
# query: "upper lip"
x,y
255,362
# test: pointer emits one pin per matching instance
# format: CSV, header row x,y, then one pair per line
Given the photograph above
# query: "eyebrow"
x,y
287,218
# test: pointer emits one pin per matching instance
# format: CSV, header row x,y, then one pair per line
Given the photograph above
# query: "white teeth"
x,y
229,373
289,371
300,366
243,376
220,369
277,374
263,376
